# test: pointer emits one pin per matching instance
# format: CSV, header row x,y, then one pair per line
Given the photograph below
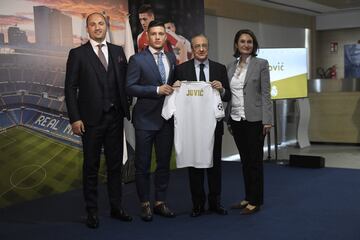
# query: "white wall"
x,y
338,20
221,32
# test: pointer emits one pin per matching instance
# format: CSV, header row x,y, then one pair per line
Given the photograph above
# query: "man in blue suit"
x,y
148,74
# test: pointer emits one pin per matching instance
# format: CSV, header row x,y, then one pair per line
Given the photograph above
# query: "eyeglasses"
x,y
199,46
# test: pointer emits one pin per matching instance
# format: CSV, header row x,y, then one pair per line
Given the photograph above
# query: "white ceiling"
x,y
310,7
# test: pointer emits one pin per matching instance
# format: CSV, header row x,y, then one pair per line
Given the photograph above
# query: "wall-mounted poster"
x,y
352,61
288,71
40,155
183,19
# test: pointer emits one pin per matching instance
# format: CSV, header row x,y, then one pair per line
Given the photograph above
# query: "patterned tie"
x,y
202,74
102,56
161,67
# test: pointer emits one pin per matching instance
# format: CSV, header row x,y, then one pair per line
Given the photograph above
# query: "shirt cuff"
x,y
222,92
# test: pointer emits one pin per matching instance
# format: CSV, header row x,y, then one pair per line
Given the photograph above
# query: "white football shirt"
x,y
196,107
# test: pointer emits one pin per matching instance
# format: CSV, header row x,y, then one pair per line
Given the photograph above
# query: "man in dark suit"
x,y
148,74
97,104
202,69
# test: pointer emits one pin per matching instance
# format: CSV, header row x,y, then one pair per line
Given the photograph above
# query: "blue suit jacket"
x,y
143,78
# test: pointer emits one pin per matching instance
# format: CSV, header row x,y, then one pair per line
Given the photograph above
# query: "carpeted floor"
x,y
299,204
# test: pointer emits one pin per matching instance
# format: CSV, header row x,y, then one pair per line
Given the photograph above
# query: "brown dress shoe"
x,y
247,211
146,214
239,205
163,210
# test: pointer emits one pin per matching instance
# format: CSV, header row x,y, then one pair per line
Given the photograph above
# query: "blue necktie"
x,y
161,67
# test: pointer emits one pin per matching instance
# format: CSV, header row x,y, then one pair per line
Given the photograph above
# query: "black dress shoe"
x,y
219,210
120,214
92,220
247,211
163,210
146,214
197,211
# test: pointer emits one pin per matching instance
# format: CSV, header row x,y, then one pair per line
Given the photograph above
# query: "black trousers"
x,y
197,176
108,134
249,140
144,141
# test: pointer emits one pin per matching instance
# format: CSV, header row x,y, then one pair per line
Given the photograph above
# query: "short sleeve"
x,y
169,107
218,105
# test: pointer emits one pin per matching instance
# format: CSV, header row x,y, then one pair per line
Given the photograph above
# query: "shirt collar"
x,y
246,61
154,51
95,43
197,62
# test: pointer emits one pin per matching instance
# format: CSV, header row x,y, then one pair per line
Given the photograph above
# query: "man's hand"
x,y
176,84
230,129
217,85
78,127
165,90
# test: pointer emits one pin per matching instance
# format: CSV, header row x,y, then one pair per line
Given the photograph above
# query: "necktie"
x,y
102,56
161,67
202,74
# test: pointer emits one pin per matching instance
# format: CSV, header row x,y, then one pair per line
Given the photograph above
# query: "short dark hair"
x,y
255,42
169,21
95,13
155,23
146,8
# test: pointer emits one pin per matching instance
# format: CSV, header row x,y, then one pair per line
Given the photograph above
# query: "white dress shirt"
x,y
104,48
165,60
197,69
237,90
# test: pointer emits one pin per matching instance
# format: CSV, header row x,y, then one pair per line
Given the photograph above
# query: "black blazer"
x,y
83,85
217,71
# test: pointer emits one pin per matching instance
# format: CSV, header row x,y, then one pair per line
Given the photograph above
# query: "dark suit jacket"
x,y
84,83
217,71
143,78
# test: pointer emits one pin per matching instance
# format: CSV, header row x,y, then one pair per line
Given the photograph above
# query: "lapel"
x,y
113,59
169,57
94,60
192,71
251,66
149,59
231,70
212,71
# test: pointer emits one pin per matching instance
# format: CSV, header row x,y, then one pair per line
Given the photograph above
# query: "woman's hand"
x,y
266,128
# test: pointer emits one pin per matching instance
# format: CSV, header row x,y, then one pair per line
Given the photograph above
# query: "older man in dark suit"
x,y
203,69
147,79
97,104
